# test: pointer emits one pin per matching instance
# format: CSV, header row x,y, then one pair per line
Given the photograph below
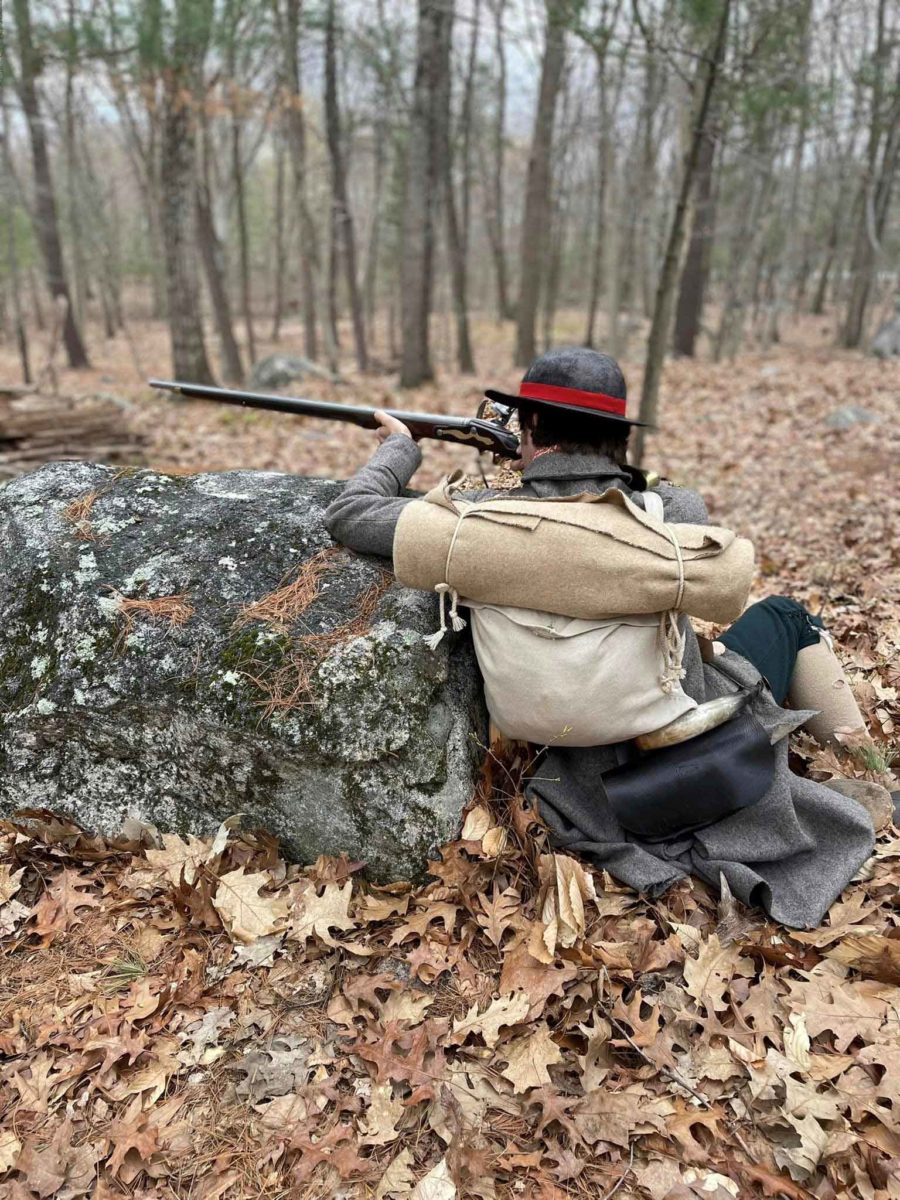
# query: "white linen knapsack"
x,y
559,680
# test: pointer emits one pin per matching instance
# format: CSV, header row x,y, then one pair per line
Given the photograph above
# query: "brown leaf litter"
x,y
199,1018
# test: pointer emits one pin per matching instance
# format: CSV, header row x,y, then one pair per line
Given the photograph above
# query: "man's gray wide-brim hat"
x,y
575,379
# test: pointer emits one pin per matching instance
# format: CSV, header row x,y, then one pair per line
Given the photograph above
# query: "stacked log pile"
x,y
37,427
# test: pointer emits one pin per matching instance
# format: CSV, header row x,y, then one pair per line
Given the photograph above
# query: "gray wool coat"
x,y
792,853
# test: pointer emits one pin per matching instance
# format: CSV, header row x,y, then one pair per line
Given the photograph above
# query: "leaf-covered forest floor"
x,y
203,1020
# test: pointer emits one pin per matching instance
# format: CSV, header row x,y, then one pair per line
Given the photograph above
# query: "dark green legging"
x,y
771,634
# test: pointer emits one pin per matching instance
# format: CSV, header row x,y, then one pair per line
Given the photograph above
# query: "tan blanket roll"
x,y
584,556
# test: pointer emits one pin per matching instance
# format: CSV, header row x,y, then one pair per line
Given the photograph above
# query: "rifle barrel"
x,y
355,414
485,435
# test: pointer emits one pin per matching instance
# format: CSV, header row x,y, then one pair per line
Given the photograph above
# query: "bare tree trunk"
x,y
370,275
189,360
342,219
280,250
237,172
456,254
211,253
104,235
707,73
554,271
458,218
45,200
332,332
495,213
9,212
34,288
535,221
423,175
80,279
289,33
817,307
692,291
600,259
875,198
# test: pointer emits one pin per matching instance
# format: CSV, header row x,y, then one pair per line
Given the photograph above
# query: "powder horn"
x,y
699,720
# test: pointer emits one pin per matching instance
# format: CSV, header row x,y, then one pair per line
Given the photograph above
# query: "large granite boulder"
x,y
136,679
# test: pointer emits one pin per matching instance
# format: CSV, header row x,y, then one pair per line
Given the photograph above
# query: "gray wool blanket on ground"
x,y
792,853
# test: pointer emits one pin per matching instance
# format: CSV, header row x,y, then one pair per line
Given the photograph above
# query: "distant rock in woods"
x,y
179,649
278,370
849,415
886,342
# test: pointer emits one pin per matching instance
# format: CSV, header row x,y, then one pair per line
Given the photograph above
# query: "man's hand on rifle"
x,y
388,425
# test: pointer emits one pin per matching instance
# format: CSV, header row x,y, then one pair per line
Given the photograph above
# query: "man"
x,y
794,850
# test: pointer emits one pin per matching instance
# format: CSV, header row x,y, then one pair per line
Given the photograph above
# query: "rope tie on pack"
x,y
433,640
672,644
672,640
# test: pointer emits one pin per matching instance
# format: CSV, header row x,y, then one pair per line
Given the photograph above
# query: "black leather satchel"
x,y
665,793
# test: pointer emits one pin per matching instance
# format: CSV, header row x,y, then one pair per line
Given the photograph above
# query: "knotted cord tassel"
x,y
433,640
456,620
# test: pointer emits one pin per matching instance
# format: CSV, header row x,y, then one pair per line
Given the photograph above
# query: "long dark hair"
x,y
574,433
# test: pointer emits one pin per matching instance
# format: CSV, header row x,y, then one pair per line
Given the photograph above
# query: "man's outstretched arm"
x,y
365,514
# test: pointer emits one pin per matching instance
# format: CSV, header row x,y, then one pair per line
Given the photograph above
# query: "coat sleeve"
x,y
365,514
682,506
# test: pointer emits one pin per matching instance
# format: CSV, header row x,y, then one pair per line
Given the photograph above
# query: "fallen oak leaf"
x,y
401,1054
436,1185
179,858
36,1090
527,1059
9,1149
681,1125
326,1149
708,976
495,841
59,1168
315,916
498,913
10,882
565,887
245,913
772,1183
801,1161
872,954
58,908
397,1179
503,1012
606,1116
379,1125
478,821
538,980
418,923
151,1078
134,1140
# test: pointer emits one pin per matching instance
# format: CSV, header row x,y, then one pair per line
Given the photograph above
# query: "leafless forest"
x,y
699,171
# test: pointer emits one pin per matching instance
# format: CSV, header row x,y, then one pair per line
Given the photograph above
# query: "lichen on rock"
x,y
115,703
